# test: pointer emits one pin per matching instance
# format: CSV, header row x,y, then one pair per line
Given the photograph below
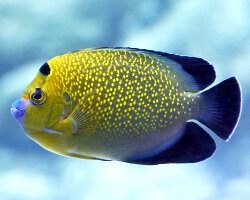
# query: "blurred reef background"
x,y
32,32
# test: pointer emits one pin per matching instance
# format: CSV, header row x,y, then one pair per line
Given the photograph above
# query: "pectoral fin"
x,y
79,121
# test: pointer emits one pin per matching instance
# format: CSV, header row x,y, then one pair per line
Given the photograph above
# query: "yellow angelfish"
x,y
130,105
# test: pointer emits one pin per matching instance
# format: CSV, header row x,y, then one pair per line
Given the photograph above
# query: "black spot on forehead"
x,y
45,69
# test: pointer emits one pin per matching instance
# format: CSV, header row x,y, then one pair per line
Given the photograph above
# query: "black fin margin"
x,y
222,108
194,146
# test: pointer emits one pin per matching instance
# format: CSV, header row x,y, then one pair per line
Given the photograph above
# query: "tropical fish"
x,y
132,105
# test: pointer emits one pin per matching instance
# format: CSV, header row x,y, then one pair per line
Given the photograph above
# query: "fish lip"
x,y
17,110
17,114
13,111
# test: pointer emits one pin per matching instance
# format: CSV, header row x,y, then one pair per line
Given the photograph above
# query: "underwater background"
x,y
31,32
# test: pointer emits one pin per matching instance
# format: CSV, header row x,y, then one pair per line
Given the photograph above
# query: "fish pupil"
x,y
38,94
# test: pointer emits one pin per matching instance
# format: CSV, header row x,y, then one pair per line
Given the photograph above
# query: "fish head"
x,y
39,107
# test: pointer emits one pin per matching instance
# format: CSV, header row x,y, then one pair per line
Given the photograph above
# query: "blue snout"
x,y
18,109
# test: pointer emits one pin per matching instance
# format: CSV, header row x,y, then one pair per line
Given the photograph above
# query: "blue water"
x,y
32,32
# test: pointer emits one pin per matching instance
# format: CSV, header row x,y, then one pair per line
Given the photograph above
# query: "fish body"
x,y
130,105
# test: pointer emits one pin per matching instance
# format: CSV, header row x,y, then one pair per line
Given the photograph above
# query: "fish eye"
x,y
37,96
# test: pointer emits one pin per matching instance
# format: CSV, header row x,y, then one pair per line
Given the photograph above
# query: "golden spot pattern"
x,y
126,92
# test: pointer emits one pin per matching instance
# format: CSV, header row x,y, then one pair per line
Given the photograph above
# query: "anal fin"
x,y
195,145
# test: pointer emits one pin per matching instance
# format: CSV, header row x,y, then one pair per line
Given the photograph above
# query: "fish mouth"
x,y
18,110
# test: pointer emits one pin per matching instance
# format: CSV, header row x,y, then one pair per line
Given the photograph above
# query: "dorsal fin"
x,y
200,69
202,72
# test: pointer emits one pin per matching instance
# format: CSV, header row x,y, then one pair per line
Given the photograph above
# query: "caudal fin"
x,y
222,108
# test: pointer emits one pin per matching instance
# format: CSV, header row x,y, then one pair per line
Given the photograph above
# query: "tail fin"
x,y
222,108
